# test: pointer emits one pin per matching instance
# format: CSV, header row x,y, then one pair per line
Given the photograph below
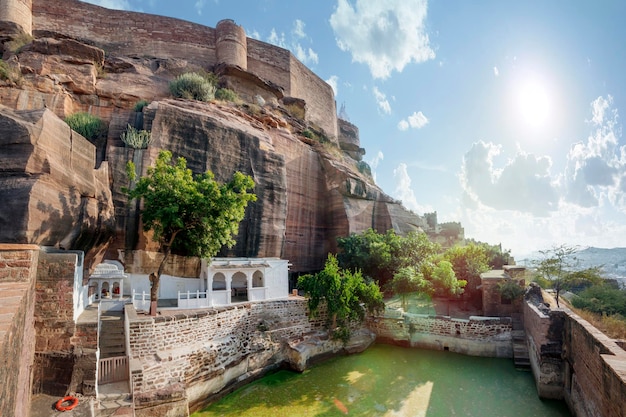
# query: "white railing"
x,y
197,299
113,370
141,301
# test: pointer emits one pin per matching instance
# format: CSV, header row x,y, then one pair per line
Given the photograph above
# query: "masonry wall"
x,y
17,12
477,336
595,371
545,344
130,33
54,322
321,108
17,331
205,351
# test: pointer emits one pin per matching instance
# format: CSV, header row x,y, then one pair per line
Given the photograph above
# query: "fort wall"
x,y
128,33
574,361
17,13
140,34
18,266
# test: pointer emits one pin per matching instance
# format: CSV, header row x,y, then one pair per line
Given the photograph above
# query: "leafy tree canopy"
x,y
556,267
193,213
346,294
468,262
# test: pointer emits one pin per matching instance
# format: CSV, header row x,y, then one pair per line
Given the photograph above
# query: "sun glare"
x,y
533,103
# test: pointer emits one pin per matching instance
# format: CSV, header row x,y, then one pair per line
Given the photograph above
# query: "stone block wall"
x,y
321,108
545,344
54,322
17,331
476,336
206,350
127,33
595,371
17,13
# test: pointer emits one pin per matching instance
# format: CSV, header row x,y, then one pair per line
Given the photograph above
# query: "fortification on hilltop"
x,y
16,15
278,73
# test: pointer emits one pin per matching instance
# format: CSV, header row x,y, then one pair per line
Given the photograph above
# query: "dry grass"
x,y
612,326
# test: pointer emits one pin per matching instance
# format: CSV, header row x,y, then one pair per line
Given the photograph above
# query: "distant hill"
x,y
612,261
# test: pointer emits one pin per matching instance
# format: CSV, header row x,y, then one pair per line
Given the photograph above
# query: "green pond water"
x,y
390,381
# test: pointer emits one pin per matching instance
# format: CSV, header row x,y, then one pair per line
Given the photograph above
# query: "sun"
x,y
533,103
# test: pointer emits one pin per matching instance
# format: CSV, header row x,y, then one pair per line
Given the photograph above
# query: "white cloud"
x,y
384,35
304,53
416,121
333,82
111,4
199,6
381,100
523,184
255,35
404,192
596,168
496,72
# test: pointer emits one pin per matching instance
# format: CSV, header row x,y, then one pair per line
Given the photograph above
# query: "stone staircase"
x,y
521,357
114,399
112,340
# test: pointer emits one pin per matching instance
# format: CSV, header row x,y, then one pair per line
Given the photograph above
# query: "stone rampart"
x,y
477,336
574,361
16,13
206,351
18,265
132,33
127,33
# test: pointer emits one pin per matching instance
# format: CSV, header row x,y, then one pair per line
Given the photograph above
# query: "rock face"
x,y
307,196
51,194
311,184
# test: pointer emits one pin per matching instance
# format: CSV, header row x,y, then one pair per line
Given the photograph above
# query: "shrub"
x,y
9,73
192,86
226,94
138,139
89,126
140,105
602,299
296,111
18,42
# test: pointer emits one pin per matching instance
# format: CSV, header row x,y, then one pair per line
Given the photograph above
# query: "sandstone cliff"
x,y
57,189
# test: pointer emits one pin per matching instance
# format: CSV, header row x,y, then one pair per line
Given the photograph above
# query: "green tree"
x,y
369,252
445,282
409,280
556,266
468,262
195,214
346,293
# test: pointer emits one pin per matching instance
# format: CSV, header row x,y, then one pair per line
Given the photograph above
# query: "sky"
x,y
505,116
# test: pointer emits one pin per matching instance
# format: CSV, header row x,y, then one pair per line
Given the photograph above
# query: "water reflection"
x,y
389,381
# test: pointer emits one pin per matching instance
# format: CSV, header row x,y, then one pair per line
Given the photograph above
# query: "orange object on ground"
x,y
73,402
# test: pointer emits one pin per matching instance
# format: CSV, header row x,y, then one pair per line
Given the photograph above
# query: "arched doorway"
x,y
239,287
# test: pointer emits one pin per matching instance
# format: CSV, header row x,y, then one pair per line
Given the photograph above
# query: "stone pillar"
x,y
229,289
17,14
231,44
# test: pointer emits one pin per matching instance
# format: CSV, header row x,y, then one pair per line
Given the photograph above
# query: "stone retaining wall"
x,y
17,331
574,361
478,336
205,351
